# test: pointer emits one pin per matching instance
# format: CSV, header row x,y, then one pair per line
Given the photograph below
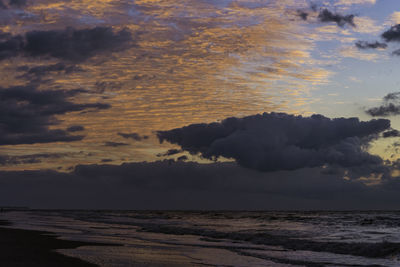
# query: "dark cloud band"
x,y
190,185
70,44
370,45
134,136
26,114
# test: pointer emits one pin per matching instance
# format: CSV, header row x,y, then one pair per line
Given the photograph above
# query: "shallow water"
x,y
167,238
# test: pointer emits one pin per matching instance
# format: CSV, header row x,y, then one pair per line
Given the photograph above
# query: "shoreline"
x,y
37,248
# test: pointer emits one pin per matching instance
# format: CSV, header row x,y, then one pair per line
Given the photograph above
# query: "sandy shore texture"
x,y
36,248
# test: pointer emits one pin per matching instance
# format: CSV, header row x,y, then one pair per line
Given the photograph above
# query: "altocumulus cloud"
x,y
26,114
70,44
279,141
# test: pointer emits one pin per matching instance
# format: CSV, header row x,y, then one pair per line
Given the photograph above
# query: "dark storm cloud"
x,y
189,185
70,44
393,34
134,136
370,45
75,128
341,20
279,141
115,144
391,133
389,107
26,114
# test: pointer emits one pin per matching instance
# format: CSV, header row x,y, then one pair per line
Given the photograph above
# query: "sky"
x,y
200,104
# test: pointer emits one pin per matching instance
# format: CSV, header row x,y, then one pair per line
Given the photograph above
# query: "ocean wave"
x,y
371,250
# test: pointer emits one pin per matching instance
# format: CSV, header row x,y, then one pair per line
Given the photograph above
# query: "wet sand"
x,y
36,248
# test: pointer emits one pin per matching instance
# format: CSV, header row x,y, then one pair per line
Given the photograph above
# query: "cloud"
x,y
355,2
393,34
134,136
29,159
396,52
302,14
115,144
103,86
27,113
11,47
370,45
389,107
279,141
367,25
170,152
352,52
8,160
75,128
37,72
385,110
391,133
190,185
182,158
71,44
394,18
13,3
341,20
392,96
17,3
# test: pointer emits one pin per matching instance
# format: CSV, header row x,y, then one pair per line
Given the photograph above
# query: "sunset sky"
x,y
97,96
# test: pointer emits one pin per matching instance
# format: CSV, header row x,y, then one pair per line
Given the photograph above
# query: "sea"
x,y
223,238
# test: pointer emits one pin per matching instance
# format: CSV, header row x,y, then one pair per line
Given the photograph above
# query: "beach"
x,y
36,248
200,238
